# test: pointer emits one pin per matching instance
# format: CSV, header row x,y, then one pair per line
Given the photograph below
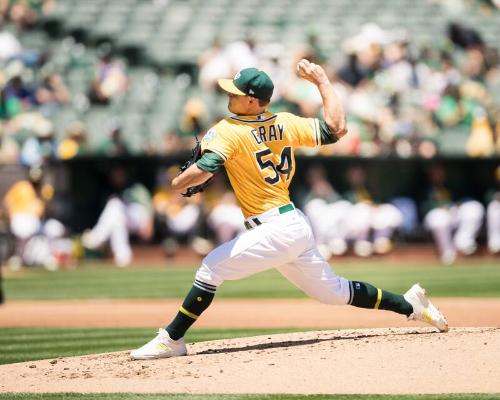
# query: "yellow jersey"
x,y
22,198
258,153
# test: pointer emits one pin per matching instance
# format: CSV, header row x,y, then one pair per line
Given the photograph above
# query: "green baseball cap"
x,y
249,82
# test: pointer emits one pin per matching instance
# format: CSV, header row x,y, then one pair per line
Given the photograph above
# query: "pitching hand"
x,y
312,72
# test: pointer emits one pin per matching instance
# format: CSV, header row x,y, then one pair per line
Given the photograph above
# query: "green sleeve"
x,y
327,136
210,162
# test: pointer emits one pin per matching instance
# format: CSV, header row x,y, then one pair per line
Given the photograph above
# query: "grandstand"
x,y
90,87
161,39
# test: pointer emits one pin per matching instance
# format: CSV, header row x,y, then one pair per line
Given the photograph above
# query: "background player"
x,y
129,210
257,149
454,224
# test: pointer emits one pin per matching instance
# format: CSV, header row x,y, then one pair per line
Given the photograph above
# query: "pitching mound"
x,y
402,360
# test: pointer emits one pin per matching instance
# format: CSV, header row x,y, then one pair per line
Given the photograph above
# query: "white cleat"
x,y
423,309
162,346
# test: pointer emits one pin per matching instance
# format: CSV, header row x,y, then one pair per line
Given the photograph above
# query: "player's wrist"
x,y
323,82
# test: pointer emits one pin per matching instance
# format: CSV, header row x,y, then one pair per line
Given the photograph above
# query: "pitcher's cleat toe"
x,y
423,309
162,346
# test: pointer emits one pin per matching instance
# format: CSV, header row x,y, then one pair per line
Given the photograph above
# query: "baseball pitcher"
x,y
257,149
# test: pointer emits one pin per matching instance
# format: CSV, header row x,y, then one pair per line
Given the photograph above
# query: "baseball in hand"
x,y
311,72
302,67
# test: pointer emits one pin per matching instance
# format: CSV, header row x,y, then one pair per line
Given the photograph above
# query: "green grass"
x,y
21,344
125,396
472,279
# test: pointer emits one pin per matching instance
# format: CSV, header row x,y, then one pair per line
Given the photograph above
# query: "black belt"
x,y
282,210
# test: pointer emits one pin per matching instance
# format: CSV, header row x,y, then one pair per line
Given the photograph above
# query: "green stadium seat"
x,y
452,141
62,118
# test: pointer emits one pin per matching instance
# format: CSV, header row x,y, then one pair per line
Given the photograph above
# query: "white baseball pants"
x,y
114,224
465,220
493,225
282,241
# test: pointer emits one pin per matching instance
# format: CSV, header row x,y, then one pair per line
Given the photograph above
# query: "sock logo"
x,y
358,286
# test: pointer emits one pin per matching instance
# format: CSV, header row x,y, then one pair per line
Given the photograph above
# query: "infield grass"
x,y
467,279
22,344
125,396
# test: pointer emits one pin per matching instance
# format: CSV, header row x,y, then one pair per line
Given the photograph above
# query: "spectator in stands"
x,y
75,142
128,211
4,10
352,73
114,145
225,60
212,63
371,225
52,93
241,54
481,141
19,116
364,54
496,127
16,87
194,117
463,36
493,215
111,78
10,47
327,211
9,149
41,147
22,14
454,224
10,106
454,109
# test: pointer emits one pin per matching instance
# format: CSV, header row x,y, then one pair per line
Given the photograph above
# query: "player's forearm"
x,y
333,110
191,177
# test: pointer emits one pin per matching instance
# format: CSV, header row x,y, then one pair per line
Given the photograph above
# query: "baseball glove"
x,y
195,156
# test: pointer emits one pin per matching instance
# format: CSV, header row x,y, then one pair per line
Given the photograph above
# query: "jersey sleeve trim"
x,y
327,136
316,135
210,162
218,152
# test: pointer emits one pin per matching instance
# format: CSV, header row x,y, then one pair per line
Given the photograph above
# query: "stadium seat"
x,y
452,141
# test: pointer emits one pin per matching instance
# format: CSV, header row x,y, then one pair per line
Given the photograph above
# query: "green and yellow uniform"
x,y
260,177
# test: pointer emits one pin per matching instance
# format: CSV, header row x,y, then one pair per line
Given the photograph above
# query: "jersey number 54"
x,y
283,168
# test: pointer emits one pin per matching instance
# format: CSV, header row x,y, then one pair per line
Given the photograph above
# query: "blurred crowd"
x,y
348,221
33,91
402,97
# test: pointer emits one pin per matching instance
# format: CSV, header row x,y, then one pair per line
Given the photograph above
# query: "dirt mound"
x,y
398,360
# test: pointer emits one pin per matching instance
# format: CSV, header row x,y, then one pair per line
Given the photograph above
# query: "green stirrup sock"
x,y
196,301
365,295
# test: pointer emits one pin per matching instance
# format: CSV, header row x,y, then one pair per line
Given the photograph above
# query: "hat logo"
x,y
238,74
251,91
